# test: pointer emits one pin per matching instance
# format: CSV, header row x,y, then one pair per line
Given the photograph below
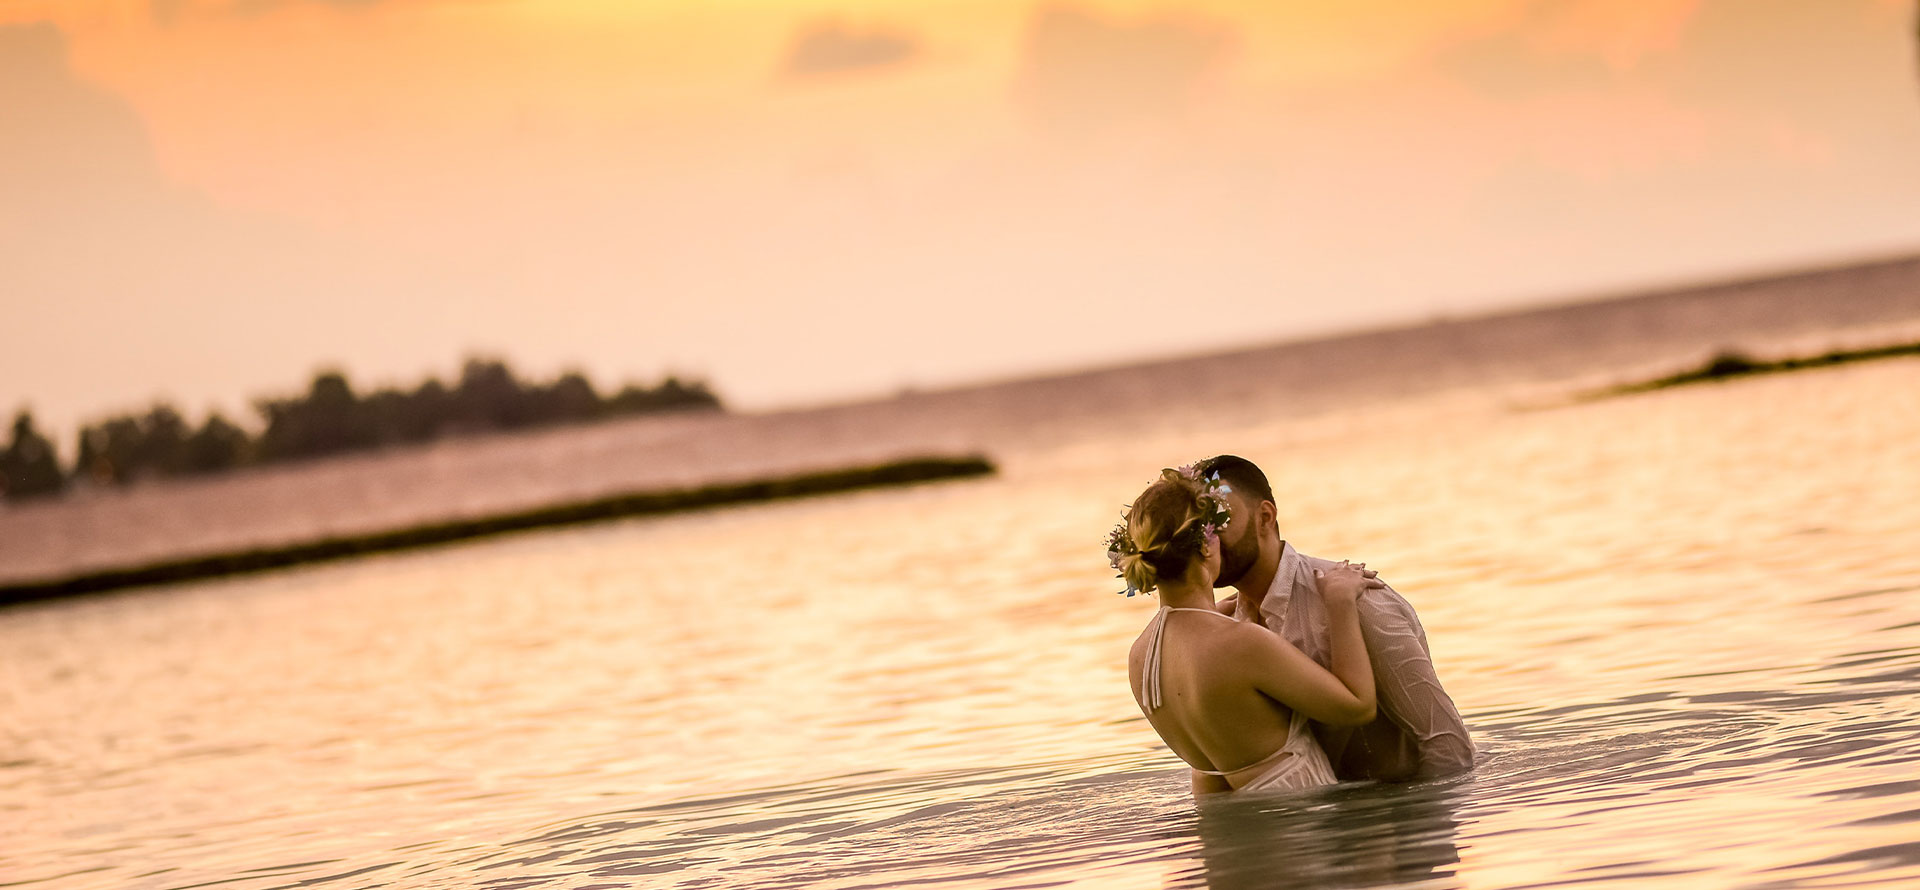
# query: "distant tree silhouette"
x,y
332,418
110,449
570,399
399,417
218,445
29,468
91,463
121,449
489,397
670,395
163,438
329,420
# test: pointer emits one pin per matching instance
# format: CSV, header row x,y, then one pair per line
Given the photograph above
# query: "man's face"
x,y
1239,541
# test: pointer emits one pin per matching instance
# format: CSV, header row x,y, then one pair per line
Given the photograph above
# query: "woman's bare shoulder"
x,y
1137,652
1248,637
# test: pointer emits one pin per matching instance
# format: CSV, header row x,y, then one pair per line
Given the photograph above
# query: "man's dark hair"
x,y
1240,473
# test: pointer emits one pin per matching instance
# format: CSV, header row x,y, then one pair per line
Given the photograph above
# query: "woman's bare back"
x,y
1211,712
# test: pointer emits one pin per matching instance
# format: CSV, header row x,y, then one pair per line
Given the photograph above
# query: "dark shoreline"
x,y
1730,364
899,472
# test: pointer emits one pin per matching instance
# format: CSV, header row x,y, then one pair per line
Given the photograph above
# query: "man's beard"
x,y
1236,561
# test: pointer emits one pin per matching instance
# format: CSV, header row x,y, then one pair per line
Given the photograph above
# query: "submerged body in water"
x,y
1362,673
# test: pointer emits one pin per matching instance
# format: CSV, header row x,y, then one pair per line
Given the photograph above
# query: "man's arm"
x,y
1409,690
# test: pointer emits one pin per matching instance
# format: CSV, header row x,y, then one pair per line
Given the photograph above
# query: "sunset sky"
x,y
206,200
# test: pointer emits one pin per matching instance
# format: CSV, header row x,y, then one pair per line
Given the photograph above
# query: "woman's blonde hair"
x,y
1168,524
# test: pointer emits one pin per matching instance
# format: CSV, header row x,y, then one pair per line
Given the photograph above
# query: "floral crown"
x,y
1120,542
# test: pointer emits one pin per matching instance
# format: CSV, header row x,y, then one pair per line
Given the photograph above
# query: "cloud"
x,y
1514,64
168,12
831,46
1079,71
1718,143
1766,76
73,150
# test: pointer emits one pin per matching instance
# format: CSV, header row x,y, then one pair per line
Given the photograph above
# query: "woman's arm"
x,y
1285,674
1341,588
1282,672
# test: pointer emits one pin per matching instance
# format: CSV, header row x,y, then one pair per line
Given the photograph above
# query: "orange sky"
x,y
807,200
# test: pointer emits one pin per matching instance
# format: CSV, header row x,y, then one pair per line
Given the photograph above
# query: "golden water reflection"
x,y
1682,626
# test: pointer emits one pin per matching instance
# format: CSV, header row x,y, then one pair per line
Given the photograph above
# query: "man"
x,y
1418,733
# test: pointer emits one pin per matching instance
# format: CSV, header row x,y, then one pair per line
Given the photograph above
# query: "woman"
x,y
1231,698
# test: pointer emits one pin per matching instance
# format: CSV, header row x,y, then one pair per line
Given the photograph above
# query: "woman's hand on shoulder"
x,y
1342,584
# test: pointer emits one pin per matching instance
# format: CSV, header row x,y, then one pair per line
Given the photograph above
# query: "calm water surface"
x,y
1685,628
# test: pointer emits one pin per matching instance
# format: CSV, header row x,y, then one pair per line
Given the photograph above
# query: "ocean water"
x,y
1684,628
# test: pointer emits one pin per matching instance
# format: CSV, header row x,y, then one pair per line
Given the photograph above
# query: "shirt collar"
x,y
1279,591
1273,608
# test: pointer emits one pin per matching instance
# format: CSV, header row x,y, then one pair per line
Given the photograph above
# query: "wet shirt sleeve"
x,y
1408,689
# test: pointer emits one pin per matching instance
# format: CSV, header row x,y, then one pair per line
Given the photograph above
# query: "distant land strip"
x,y
899,472
1729,364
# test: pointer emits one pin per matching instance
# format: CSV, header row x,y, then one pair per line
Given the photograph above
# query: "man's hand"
x,y
1227,605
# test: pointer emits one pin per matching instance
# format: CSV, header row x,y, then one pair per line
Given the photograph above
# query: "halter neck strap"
x,y
1150,683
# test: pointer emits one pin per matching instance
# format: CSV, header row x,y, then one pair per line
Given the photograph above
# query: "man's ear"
x,y
1270,515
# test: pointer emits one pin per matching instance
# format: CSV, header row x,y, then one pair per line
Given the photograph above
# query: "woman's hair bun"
x,y
1139,572
1167,526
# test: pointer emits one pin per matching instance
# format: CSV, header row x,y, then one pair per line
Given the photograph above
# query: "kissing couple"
x,y
1313,672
